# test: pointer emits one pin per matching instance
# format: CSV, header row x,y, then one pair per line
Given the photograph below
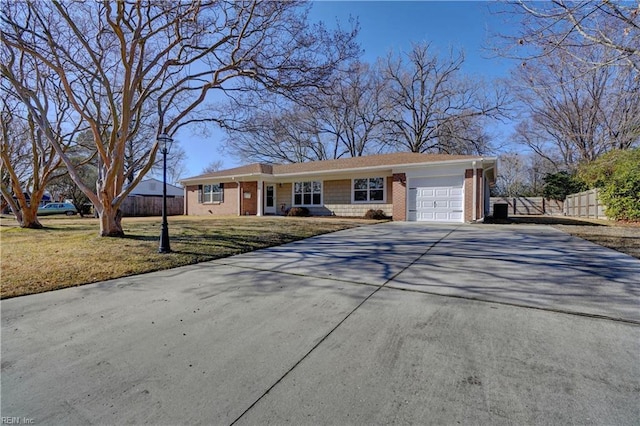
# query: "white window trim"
x,y
384,191
293,194
221,193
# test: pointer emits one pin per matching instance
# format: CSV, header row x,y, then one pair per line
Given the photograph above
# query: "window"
x,y
211,193
368,190
307,193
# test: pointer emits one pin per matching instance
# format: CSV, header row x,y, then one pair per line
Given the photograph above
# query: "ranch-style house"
x,y
406,186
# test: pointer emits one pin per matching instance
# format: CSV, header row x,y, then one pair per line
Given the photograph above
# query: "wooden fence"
x,y
584,204
529,205
151,206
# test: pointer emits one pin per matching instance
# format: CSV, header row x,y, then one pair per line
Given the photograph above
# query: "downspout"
x,y
185,208
239,198
474,216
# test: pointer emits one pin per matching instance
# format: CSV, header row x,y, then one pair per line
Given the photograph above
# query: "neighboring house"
x,y
146,199
153,188
407,186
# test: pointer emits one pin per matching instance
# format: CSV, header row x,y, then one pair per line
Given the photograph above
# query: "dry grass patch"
x,y
623,238
69,252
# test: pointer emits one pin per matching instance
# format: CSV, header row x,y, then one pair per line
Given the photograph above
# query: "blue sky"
x,y
386,25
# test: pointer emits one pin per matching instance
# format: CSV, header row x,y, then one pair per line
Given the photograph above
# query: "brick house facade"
x,y
406,186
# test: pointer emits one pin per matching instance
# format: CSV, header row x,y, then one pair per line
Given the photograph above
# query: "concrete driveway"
x,y
393,323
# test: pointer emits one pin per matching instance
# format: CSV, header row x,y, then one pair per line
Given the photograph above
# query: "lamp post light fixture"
x,y
164,141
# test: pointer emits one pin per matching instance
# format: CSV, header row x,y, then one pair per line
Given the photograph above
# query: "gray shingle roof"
x,y
351,163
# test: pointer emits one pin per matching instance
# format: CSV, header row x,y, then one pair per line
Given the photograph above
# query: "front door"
x,y
270,199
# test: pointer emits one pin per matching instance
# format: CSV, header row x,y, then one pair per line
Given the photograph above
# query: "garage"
x,y
436,199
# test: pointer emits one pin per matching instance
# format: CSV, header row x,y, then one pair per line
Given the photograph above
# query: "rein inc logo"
x,y
16,420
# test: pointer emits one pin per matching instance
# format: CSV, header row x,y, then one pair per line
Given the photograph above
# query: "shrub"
x,y
375,214
299,212
558,185
617,174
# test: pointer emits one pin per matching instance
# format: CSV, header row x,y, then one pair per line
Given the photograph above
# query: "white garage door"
x,y
436,199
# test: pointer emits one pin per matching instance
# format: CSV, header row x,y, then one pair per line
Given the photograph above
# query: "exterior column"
x,y
260,196
399,194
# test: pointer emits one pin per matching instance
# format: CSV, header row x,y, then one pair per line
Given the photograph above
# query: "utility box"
x,y
500,211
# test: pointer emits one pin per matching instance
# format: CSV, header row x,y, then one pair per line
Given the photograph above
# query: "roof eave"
x,y
392,167
225,178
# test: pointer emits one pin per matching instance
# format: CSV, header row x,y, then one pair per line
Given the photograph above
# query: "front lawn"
x,y
69,252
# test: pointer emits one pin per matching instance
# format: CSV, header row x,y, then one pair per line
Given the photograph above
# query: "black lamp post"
x,y
165,247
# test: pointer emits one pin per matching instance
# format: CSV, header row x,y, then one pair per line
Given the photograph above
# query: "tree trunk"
x,y
28,218
111,222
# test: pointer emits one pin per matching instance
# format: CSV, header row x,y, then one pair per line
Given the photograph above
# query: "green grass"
x,y
69,252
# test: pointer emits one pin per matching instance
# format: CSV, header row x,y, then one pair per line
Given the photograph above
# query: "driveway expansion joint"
x,y
330,332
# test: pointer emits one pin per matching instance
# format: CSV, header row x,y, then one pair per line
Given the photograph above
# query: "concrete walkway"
x,y
393,323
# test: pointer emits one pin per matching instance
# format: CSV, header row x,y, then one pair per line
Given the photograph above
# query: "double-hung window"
x,y
307,193
212,193
368,190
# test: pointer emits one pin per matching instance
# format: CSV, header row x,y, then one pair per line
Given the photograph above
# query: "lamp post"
x,y
165,141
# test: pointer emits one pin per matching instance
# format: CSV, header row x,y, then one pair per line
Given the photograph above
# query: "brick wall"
x,y
336,198
399,196
468,195
229,205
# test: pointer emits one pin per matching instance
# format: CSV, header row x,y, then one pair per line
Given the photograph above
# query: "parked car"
x,y
57,208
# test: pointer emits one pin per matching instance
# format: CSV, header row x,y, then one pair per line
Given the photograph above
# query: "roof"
x,y
341,164
250,169
153,186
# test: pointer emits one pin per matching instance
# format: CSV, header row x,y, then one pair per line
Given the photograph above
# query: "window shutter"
x,y
200,194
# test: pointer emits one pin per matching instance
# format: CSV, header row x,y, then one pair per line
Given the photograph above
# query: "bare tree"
x,y
350,114
521,174
63,187
116,59
560,25
275,132
341,120
213,166
575,112
176,166
29,162
464,136
427,93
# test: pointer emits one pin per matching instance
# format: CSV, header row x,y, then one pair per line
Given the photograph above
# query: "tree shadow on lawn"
x,y
210,244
